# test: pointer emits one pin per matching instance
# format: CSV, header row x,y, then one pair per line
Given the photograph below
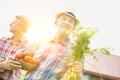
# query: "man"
x,y
52,64
9,68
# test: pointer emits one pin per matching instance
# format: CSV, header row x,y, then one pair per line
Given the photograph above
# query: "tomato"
x,y
31,60
19,55
35,61
28,59
27,53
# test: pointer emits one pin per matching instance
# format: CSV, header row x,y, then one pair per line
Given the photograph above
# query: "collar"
x,y
58,42
20,40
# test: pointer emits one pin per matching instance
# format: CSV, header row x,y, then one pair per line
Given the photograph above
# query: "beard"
x,y
63,33
12,30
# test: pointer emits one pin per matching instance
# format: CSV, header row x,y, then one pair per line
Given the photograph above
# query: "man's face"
x,y
16,26
65,25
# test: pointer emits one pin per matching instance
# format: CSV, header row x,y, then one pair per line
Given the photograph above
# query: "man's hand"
x,y
77,67
12,64
1,59
1,69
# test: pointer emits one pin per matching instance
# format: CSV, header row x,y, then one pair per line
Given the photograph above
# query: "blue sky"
x,y
104,14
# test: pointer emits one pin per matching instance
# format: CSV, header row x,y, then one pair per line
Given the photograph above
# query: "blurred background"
x,y
103,14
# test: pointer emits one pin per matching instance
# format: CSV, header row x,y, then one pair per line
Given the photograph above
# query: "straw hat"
x,y
25,21
69,14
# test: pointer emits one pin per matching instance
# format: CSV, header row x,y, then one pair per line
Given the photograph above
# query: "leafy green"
x,y
81,42
80,48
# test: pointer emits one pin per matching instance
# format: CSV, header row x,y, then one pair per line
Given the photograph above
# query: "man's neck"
x,y
58,41
17,37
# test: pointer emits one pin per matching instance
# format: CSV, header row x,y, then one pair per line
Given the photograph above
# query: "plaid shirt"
x,y
9,48
52,64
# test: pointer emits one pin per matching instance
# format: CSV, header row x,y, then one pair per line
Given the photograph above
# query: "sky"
x,y
103,14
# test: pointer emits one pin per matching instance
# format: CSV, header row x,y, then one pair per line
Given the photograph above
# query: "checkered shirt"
x,y
9,48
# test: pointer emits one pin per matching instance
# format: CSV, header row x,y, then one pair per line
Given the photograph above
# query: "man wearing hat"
x,y
9,68
52,64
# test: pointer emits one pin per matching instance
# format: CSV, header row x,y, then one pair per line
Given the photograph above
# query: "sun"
x,y
38,33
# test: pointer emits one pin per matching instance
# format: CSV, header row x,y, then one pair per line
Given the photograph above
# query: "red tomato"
x,y
35,61
19,55
28,59
27,53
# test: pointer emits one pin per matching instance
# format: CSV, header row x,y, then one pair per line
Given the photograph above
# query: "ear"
x,y
74,26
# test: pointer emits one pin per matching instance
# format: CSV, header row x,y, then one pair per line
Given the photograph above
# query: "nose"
x,y
11,23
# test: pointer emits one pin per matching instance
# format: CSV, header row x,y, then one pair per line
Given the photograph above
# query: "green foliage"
x,y
69,75
103,50
81,42
80,48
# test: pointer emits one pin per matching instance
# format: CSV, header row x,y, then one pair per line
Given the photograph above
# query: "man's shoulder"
x,y
5,38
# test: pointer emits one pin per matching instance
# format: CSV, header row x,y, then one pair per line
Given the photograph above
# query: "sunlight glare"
x,y
38,33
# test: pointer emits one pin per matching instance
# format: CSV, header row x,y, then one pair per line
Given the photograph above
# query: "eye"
x,y
13,22
64,18
70,21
